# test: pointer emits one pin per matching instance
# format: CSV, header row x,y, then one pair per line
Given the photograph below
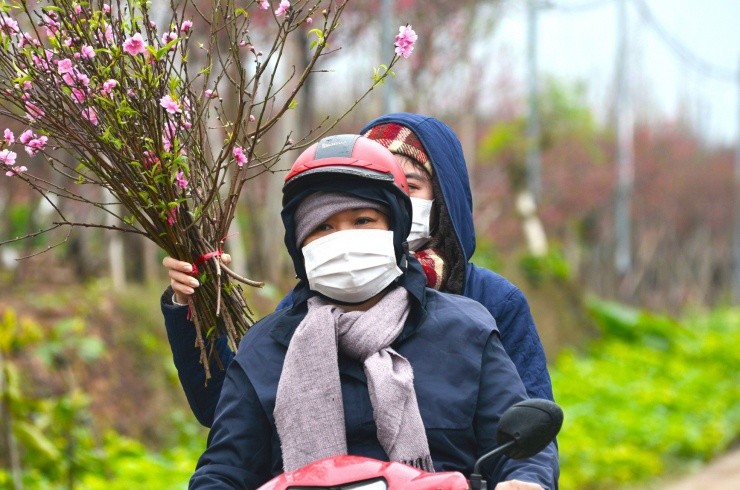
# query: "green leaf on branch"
x,y
380,73
240,12
107,137
53,8
320,39
160,179
145,198
124,111
184,166
159,53
293,104
173,84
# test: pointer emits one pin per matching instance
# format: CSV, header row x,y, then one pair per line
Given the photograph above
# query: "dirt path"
x,y
721,474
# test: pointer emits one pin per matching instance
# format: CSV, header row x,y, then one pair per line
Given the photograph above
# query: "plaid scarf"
x,y
309,413
433,265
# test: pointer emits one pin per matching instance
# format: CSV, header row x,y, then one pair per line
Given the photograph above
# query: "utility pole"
x,y
533,162
625,152
386,51
736,208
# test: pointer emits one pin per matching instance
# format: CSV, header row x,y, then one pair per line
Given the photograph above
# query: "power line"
x,y
677,47
581,7
696,62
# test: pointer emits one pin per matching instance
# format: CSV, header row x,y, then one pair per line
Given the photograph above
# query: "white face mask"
x,y
351,266
420,228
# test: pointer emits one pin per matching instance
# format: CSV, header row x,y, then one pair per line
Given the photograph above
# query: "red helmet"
x,y
347,154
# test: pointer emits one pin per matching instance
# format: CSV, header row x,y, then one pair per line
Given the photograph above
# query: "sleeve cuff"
x,y
174,301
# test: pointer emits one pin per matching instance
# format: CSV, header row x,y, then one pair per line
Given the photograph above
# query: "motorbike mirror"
x,y
524,430
532,424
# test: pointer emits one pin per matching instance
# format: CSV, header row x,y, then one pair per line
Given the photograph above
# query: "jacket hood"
x,y
446,154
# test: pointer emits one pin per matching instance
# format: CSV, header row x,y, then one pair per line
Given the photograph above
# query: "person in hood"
x,y
443,238
443,235
366,360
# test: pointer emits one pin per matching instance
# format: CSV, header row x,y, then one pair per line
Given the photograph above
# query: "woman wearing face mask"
x,y
442,237
366,360
434,163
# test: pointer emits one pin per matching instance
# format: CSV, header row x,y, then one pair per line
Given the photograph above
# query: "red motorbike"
x,y
523,431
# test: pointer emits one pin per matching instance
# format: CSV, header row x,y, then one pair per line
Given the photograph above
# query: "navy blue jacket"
x,y
502,299
462,376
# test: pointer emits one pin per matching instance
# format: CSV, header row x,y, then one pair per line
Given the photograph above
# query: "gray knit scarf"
x,y
309,413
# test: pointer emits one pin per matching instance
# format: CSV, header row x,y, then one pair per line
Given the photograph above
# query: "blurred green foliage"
x,y
654,395
551,266
49,417
486,254
51,434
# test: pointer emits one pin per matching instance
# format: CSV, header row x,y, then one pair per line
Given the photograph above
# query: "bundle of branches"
x,y
116,91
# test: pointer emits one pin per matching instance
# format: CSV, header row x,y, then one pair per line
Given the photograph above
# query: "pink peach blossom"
x,y
186,25
83,79
91,115
65,66
16,170
182,182
135,45
25,39
8,157
282,8
33,111
239,156
167,37
52,26
264,4
42,63
36,145
78,95
26,136
88,52
405,40
150,159
170,105
8,26
172,216
106,8
108,87
9,136
170,130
